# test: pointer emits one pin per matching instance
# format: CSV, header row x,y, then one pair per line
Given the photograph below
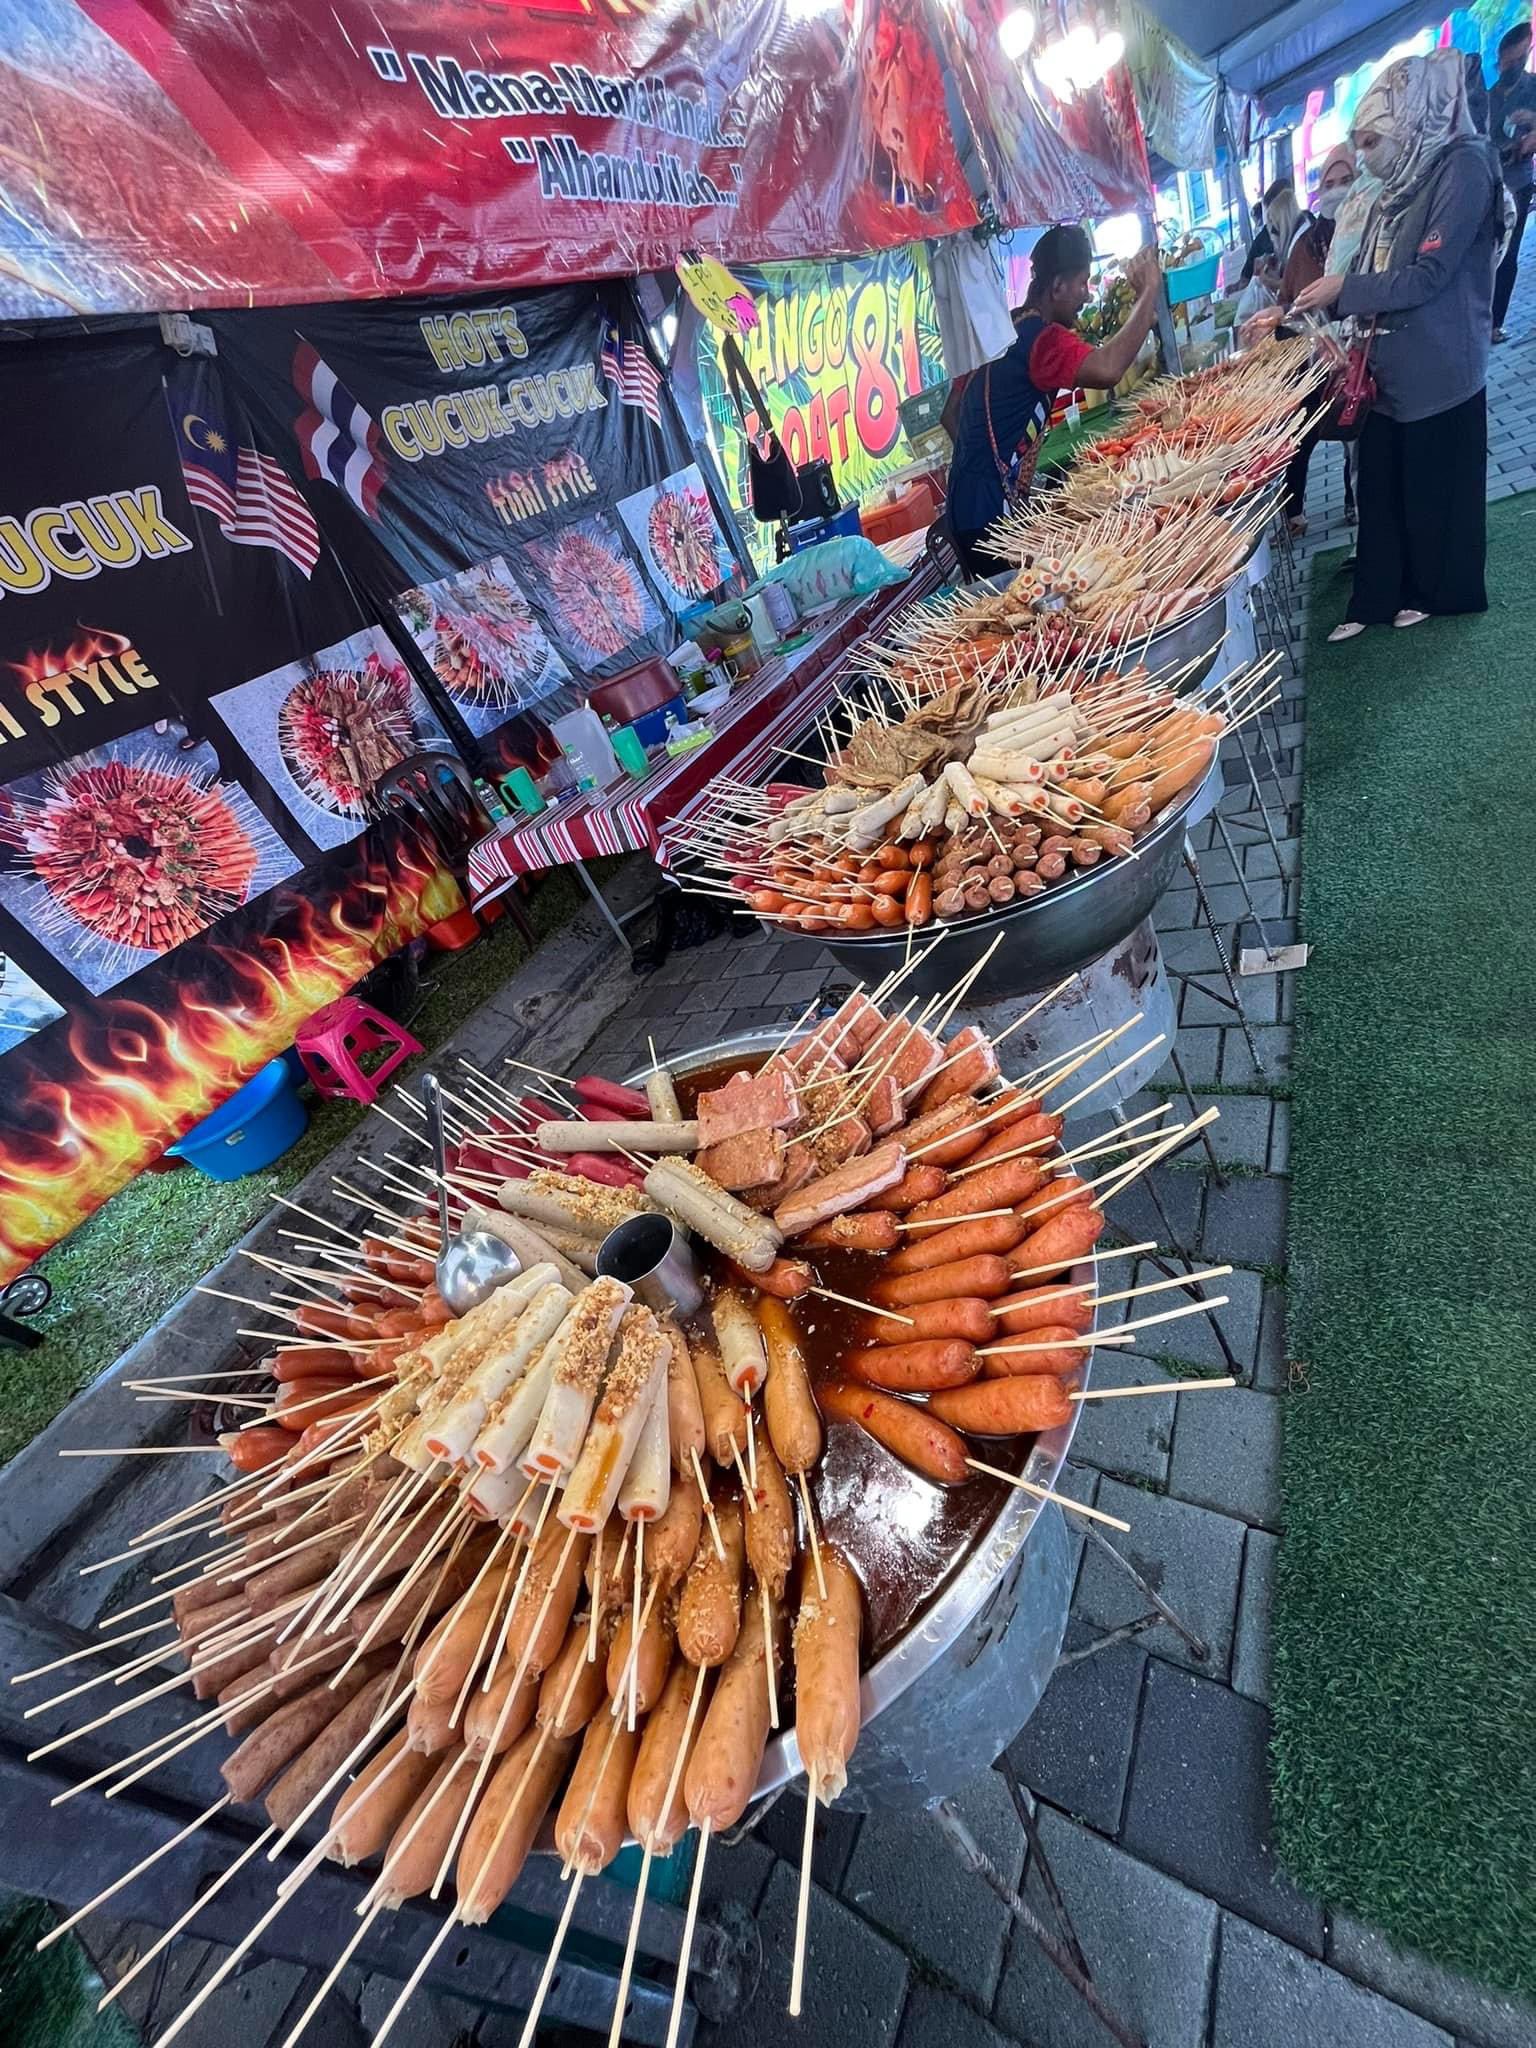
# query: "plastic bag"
x,y
1256,298
833,571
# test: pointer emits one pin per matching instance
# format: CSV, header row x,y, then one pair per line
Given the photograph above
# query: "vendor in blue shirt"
x,y
1004,407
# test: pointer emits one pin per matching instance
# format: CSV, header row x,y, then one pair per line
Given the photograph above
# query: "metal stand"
x,y
1232,999
615,924
1063,1951
1196,1645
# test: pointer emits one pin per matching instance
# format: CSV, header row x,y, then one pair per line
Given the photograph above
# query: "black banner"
x,y
509,475
194,701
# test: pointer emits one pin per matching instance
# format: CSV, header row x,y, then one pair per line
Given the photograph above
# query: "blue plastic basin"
x,y
257,1125
651,730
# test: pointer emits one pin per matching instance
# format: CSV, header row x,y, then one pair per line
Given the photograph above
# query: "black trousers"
x,y
1295,501
976,558
1421,490
1504,282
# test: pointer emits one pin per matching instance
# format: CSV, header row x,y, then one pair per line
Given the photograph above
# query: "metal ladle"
x,y
472,1264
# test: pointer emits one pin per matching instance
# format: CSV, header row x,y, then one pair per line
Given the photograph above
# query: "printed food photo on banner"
x,y
674,527
324,729
594,594
484,643
834,350
117,856
24,1007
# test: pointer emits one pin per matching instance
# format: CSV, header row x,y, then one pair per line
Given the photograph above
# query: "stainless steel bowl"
x,y
962,1680
1045,937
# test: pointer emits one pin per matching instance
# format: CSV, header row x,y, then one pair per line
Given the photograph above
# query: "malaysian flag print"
x,y
251,497
631,372
339,442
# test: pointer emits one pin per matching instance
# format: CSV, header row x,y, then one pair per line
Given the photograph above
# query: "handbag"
x,y
1015,481
773,487
1352,393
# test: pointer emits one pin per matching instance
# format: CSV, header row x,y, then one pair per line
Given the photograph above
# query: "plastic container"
x,y
585,744
630,748
651,730
520,788
255,1126
1193,281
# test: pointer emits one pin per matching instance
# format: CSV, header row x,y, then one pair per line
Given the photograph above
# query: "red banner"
x,y
173,153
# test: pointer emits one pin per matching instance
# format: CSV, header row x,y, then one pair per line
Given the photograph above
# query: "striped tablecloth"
x,y
633,816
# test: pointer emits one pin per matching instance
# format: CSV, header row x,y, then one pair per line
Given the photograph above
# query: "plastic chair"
x,y
334,1041
438,788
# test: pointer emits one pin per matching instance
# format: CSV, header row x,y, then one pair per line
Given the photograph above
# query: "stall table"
x,y
634,814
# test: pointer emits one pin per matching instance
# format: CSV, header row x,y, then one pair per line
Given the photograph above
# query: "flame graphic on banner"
x,y
92,644
92,1099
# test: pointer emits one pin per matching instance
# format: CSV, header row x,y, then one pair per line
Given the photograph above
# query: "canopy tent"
x,y
1277,53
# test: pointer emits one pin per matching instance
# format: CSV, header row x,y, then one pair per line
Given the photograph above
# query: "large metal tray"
x,y
1044,938
951,1694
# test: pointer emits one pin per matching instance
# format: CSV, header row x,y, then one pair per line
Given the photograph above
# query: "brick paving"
x,y
1149,1765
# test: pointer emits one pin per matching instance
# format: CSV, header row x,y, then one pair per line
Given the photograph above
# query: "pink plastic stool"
x,y
333,1040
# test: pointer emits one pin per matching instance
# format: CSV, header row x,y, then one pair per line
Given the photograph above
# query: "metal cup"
x,y
653,1255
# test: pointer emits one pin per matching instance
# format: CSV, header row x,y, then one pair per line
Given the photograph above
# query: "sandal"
x,y
1346,631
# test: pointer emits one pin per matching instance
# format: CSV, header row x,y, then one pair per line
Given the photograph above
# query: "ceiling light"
x,y
1015,32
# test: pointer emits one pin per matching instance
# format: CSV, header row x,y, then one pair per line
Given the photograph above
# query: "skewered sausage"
x,y
827,1671
729,1754
589,1827
655,1761
326,1753
910,1433
977,1234
965,1315
685,1417
506,1823
1005,1407
1049,1348
709,1612
917,1368
985,1275
368,1813
725,1415
770,1524
789,1407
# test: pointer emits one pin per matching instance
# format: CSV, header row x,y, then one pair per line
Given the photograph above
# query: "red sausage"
x,y
611,1097
1026,1130
920,1183
927,1248
1069,1234
986,1276
918,1368
966,1316
315,1320
1007,1407
610,1173
874,1232
993,1187
1035,1308
1052,1197
785,1279
308,1361
1060,1354
908,1432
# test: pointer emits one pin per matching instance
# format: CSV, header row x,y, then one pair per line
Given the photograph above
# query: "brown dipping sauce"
x,y
903,1535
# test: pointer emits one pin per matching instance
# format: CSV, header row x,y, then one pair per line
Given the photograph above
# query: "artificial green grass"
x,y
116,1275
49,2000
1405,1619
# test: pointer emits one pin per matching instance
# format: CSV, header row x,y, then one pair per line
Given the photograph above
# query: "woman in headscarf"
x,y
1422,277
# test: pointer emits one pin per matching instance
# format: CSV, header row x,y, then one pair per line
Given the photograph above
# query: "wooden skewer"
x,y
867,1306
291,2038
1063,1500
634,1627
1118,1335
530,2027
944,1222
143,1864
1151,1387
768,1660
810,1530
709,1506
642,1883
100,1649
146,1451
163,1941
690,1921
408,1989
1094,1258
802,1909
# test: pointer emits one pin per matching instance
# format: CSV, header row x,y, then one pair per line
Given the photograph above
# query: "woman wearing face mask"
x,y
1423,274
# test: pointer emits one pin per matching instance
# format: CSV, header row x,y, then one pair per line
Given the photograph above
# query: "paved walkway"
x,y
1149,1765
